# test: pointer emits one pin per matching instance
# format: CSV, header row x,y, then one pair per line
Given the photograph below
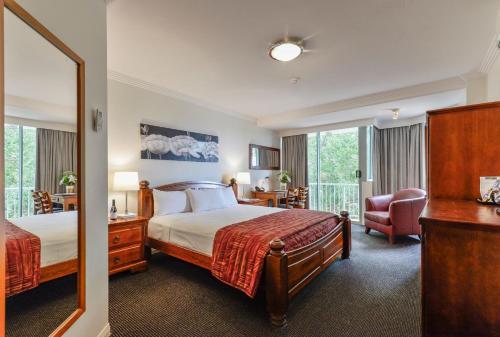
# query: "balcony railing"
x,y
12,202
335,198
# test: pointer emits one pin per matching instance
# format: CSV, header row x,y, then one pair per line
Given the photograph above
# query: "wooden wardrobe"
x,y
461,238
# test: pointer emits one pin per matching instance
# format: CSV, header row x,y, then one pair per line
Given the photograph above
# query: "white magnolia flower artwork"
x,y
170,144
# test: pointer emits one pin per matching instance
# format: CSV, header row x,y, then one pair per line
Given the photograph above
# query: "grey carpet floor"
x,y
375,293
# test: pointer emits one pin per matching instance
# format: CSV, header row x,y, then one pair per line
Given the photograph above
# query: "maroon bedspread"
x,y
22,259
240,249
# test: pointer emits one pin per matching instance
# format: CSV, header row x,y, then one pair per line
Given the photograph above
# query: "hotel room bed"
x,y
283,260
196,231
40,248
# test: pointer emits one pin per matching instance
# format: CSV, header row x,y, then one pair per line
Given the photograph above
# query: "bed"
x,y
197,237
55,236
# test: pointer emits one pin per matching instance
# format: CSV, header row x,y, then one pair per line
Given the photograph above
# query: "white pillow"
x,y
229,197
170,202
206,199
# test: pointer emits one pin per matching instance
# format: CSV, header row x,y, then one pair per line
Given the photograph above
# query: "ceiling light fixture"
x,y
395,113
286,50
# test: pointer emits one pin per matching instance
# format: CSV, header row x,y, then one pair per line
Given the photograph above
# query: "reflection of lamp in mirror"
x,y
125,182
243,178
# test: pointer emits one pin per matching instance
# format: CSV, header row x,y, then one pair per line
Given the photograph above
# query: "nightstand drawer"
x,y
125,255
124,236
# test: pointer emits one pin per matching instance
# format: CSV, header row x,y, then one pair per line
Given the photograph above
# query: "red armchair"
x,y
395,214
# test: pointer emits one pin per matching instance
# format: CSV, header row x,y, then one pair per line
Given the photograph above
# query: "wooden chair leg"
x,y
367,230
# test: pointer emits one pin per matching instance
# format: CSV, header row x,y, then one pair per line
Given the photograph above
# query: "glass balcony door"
x,y
333,158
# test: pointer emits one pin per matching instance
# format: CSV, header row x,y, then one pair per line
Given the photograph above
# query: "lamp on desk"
x,y
125,182
243,178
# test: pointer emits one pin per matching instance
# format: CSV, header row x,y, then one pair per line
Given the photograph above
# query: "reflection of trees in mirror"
x,y
14,161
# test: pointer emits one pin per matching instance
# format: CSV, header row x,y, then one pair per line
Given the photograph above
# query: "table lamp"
x,y
243,178
125,182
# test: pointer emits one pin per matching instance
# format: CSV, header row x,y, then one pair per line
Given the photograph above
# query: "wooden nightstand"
x,y
254,202
126,239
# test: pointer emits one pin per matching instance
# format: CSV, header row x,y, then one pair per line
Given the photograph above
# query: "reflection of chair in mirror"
x,y
43,203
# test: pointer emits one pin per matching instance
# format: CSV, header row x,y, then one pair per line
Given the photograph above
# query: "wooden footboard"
x,y
288,272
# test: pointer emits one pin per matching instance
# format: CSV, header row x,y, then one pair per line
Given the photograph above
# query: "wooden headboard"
x,y
145,202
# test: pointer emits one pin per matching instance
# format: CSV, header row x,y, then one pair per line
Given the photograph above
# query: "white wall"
x,y
494,82
82,26
129,105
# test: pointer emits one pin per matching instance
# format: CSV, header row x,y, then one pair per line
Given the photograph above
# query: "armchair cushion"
x,y
378,217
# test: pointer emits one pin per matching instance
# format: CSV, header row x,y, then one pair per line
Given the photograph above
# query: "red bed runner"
x,y
22,259
240,249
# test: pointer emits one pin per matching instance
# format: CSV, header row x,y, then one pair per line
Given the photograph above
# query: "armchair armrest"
x,y
378,203
404,213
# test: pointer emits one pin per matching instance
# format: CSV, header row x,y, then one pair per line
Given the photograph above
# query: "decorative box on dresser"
x,y
126,238
461,238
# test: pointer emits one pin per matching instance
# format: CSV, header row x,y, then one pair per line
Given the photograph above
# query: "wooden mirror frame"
x,y
262,147
22,14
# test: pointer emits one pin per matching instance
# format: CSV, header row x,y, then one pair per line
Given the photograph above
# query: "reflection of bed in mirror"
x,y
43,177
49,246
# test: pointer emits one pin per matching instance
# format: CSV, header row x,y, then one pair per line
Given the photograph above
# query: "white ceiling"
x,y
40,81
215,52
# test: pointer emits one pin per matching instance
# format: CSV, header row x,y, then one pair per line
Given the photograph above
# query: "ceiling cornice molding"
x,y
424,89
491,55
138,83
328,127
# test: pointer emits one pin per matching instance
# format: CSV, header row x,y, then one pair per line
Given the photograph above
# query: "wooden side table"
x,y
126,238
274,196
254,202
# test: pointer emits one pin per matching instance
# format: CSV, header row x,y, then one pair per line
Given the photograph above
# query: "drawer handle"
x,y
116,239
116,260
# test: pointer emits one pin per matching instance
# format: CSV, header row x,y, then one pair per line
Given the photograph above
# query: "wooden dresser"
x,y
461,238
126,238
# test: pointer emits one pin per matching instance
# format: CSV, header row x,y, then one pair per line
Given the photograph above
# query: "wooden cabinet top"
x,y
463,213
125,221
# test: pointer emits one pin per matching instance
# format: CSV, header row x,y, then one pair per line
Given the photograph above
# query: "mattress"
x,y
58,233
196,231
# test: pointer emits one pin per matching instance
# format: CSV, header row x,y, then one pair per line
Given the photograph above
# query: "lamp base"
x,y
126,215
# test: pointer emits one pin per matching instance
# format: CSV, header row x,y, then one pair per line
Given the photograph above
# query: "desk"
x,y
274,196
66,200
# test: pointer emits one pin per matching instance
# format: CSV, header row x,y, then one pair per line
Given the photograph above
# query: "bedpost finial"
x,y
144,184
344,214
277,247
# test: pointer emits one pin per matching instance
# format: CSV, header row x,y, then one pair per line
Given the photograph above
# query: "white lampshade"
x,y
126,181
243,178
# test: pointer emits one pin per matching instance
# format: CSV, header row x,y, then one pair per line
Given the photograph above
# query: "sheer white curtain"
x,y
398,158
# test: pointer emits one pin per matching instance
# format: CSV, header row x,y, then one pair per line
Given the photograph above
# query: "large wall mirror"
x,y
43,178
263,157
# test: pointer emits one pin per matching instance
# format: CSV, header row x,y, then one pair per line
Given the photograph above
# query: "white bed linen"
x,y
58,233
196,231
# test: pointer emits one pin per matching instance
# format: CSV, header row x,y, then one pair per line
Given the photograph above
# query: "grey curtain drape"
x,y
398,159
294,156
55,153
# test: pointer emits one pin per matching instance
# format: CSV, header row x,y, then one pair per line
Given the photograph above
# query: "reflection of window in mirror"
x,y
41,181
264,157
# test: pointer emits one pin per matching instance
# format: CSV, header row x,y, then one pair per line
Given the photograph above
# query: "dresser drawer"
x,y
125,255
124,236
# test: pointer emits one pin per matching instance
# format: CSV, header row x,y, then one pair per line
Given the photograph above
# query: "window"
x,y
333,158
20,168
369,153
